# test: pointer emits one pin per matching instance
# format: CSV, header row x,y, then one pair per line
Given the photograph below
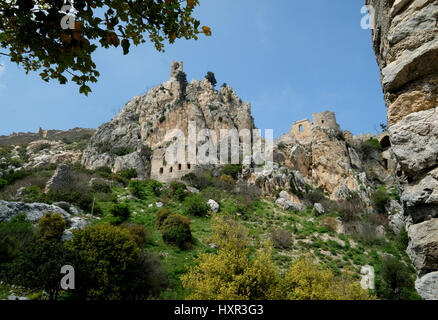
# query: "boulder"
x,y
288,204
367,282
427,286
319,208
33,211
214,206
423,245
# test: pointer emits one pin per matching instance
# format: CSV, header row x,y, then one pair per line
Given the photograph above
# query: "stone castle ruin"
x,y
302,130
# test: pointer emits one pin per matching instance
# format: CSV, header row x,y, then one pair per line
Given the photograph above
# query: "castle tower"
x,y
175,68
325,120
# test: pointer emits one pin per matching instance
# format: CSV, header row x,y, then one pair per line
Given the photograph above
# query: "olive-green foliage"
x,y
161,216
380,199
101,186
178,190
82,198
18,228
200,180
181,77
121,212
38,266
128,173
33,194
369,146
112,252
155,187
176,230
3,183
232,170
138,233
281,238
211,78
395,282
136,188
51,226
195,205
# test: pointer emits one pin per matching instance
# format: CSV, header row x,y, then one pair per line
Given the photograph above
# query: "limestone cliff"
x,y
405,39
135,138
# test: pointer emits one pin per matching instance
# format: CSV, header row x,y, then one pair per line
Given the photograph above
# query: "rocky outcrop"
x,y
427,286
136,137
60,179
405,39
35,211
423,245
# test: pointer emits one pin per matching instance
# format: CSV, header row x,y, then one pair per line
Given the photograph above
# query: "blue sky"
x,y
288,58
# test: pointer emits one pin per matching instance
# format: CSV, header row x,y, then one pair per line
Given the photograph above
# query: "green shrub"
x,y
33,194
282,239
104,172
120,212
3,183
395,282
160,217
176,230
368,147
128,173
82,198
51,226
232,170
178,190
101,186
135,187
195,205
138,233
380,199
211,78
122,151
19,228
155,187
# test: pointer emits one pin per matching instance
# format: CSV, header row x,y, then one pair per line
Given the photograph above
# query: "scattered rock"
x,y
319,208
367,281
214,206
427,286
288,204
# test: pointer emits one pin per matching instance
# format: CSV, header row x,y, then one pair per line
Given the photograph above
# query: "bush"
x,y
51,226
380,199
104,172
181,77
211,78
138,233
82,198
367,148
227,182
178,189
155,187
200,180
101,186
232,170
3,183
315,196
135,187
396,282
195,205
128,173
114,256
176,230
18,228
120,212
33,194
281,238
160,217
